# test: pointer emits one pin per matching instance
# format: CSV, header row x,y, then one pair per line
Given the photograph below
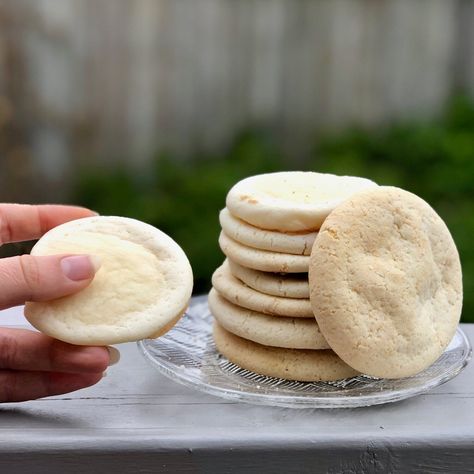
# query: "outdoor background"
x,y
154,108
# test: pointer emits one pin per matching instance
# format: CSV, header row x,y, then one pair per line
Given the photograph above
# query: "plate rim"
x,y
296,400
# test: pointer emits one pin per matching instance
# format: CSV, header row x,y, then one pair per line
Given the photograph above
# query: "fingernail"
x,y
114,355
80,267
96,262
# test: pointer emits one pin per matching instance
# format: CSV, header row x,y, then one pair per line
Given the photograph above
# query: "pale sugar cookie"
x,y
140,291
238,293
262,259
298,243
289,285
292,364
294,333
385,283
291,200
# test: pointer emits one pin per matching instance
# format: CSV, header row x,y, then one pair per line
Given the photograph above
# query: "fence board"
x,y
108,80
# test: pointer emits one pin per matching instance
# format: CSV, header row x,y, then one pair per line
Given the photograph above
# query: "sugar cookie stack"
x,y
260,296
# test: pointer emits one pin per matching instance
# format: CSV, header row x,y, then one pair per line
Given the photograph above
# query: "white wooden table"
x,y
136,420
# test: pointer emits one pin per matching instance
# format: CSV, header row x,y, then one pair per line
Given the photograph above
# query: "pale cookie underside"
x,y
240,294
385,282
294,333
251,236
141,288
288,285
292,364
291,200
262,259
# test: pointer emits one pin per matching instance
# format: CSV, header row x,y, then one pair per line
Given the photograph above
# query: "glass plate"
x,y
187,354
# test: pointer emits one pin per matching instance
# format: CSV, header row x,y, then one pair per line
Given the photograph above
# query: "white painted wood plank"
x,y
135,413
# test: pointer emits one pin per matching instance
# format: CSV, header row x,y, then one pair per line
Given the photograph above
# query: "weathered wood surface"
x,y
112,80
136,420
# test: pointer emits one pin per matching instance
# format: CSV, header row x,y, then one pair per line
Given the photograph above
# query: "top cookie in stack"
x,y
271,220
261,293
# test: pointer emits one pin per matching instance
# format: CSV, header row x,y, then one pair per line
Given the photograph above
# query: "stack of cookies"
x,y
329,276
264,320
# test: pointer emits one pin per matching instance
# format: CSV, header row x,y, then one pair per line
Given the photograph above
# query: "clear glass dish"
x,y
187,354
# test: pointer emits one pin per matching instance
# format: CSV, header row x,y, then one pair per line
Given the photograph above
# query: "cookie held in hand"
x,y
140,291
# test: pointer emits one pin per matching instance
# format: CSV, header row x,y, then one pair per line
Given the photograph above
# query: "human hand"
x,y
33,365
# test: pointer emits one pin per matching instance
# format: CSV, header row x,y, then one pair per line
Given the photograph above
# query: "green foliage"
x,y
181,198
434,160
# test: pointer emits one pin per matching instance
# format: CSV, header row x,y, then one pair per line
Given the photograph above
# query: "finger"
x,y
16,386
20,222
28,278
21,349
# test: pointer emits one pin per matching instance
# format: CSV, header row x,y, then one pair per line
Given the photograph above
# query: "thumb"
x,y
29,278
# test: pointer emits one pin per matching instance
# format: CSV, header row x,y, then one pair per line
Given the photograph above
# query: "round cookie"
x,y
288,285
291,200
294,333
237,292
140,291
262,259
292,364
385,283
297,243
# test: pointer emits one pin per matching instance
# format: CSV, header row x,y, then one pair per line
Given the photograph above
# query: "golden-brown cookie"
x,y
385,283
293,364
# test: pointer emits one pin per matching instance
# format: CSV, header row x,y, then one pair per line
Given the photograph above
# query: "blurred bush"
x,y
181,198
435,161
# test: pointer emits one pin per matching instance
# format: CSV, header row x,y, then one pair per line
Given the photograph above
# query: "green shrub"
x,y
183,198
435,161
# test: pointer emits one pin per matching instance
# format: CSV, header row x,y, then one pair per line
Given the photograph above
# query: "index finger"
x,y
20,222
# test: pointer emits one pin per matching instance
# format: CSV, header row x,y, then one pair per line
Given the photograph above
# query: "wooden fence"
x,y
115,80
